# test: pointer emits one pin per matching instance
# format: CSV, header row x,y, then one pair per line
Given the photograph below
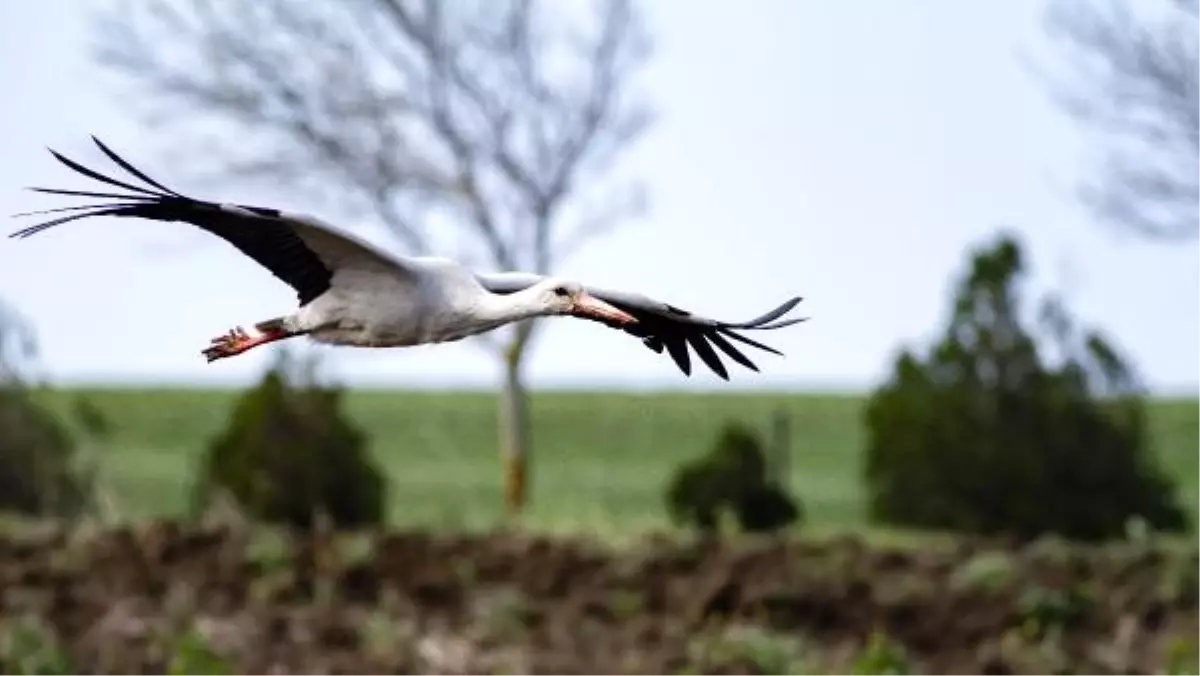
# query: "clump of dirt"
x,y
139,600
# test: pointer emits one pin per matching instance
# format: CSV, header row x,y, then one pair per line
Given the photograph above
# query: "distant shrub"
x,y
986,435
37,454
37,475
732,477
288,454
766,508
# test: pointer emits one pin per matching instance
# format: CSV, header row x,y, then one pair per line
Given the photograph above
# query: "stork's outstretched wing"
x,y
664,326
300,250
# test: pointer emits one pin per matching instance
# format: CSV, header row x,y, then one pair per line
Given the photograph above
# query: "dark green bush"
x,y
289,454
37,474
37,470
993,433
731,477
767,508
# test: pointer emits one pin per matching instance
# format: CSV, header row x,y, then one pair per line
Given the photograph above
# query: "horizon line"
x,y
777,385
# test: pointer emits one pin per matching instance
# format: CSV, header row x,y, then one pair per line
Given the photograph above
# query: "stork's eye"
x,y
561,291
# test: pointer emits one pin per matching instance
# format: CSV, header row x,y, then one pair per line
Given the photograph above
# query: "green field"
x,y
601,461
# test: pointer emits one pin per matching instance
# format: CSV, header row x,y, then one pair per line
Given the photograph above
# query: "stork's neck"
x,y
502,308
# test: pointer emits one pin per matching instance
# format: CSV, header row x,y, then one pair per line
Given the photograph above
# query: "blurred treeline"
x,y
1016,422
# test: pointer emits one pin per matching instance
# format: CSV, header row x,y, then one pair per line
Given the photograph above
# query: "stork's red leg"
x,y
238,341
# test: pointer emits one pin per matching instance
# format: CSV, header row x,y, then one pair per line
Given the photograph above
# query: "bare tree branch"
x,y
1135,81
600,218
398,102
503,119
18,345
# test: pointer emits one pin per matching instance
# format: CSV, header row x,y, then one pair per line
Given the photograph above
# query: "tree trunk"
x,y
514,424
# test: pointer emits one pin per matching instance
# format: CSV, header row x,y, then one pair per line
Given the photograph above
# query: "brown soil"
x,y
411,602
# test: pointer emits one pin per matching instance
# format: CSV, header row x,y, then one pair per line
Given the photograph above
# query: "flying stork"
x,y
351,293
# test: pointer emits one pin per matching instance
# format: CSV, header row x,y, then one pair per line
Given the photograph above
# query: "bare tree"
x,y
500,122
18,345
1136,83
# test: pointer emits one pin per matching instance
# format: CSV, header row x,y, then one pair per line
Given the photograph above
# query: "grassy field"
x,y
602,458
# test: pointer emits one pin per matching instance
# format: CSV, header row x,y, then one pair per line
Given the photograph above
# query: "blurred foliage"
x,y
753,650
1044,610
37,454
29,645
988,434
90,418
290,455
881,655
192,654
732,477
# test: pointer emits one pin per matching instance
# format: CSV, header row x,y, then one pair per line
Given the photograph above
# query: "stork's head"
x,y
564,297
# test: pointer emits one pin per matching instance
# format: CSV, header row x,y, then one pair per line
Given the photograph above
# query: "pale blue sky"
x,y
800,147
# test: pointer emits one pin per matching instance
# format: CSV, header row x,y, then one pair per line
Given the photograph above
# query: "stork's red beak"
x,y
589,306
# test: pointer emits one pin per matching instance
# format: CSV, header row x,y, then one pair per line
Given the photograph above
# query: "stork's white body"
x,y
432,300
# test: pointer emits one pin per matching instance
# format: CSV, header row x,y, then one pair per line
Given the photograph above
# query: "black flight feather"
x,y
257,232
664,327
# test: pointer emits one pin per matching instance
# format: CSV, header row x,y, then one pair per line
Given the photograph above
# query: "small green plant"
x,y
626,604
1182,656
388,635
908,589
882,655
984,572
768,652
507,612
28,646
1180,580
191,654
1046,611
1052,549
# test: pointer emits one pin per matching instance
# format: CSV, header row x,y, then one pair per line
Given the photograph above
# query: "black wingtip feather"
x,y
751,341
77,207
101,177
131,169
677,347
88,193
729,349
271,243
768,317
662,326
34,229
702,348
782,324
